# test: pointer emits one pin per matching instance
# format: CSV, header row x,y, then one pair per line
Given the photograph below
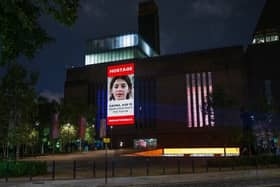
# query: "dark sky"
x,y
185,25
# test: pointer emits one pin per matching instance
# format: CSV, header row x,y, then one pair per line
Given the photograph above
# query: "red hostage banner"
x,y
119,70
120,86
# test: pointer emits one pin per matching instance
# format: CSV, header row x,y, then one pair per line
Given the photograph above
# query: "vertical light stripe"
x,y
199,86
95,60
91,59
199,92
189,107
204,85
87,60
194,100
210,92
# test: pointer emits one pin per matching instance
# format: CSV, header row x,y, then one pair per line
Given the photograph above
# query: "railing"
x,y
141,166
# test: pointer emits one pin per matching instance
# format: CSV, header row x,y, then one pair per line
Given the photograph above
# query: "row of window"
x,y
110,56
116,42
265,38
117,48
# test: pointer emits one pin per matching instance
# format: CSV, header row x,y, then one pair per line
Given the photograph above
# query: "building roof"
x,y
269,18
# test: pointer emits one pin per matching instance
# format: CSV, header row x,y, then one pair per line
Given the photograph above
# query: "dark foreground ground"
x,y
261,178
254,176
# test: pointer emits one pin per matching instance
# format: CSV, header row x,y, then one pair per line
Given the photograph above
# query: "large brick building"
x,y
174,94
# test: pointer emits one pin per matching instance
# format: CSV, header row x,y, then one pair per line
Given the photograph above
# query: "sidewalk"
x,y
264,177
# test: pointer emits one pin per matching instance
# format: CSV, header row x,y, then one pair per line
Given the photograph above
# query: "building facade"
x,y
189,99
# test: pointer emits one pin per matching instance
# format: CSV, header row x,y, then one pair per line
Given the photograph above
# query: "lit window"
x,y
87,60
260,40
274,38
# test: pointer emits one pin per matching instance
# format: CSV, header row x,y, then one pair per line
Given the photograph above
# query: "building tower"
x,y
268,26
148,23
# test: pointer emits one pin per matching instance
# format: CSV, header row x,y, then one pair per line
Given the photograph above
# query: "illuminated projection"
x,y
120,109
200,113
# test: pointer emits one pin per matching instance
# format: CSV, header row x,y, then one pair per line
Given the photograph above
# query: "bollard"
x,y
193,169
53,170
163,168
30,172
106,163
7,172
74,169
147,167
130,168
207,165
130,171
178,166
93,169
113,168
256,162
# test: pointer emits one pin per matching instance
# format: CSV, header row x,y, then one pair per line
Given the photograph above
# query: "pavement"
x,y
269,177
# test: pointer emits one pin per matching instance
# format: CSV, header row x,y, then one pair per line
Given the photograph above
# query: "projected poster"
x,y
120,86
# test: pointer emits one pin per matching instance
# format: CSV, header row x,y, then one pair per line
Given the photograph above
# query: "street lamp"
x,y
68,135
37,123
111,129
34,137
40,138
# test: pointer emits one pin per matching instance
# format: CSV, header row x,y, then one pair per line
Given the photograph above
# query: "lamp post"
x,y
34,137
68,135
92,142
111,129
37,125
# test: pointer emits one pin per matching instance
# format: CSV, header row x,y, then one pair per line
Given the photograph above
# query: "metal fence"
x,y
139,166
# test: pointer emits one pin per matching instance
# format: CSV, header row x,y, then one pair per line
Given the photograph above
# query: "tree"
x,y
72,112
17,97
32,139
67,134
21,32
46,109
25,135
90,134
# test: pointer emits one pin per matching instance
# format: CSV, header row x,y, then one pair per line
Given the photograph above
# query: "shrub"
x,y
22,168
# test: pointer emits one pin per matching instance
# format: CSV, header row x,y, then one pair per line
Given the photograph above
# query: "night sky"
x,y
185,26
